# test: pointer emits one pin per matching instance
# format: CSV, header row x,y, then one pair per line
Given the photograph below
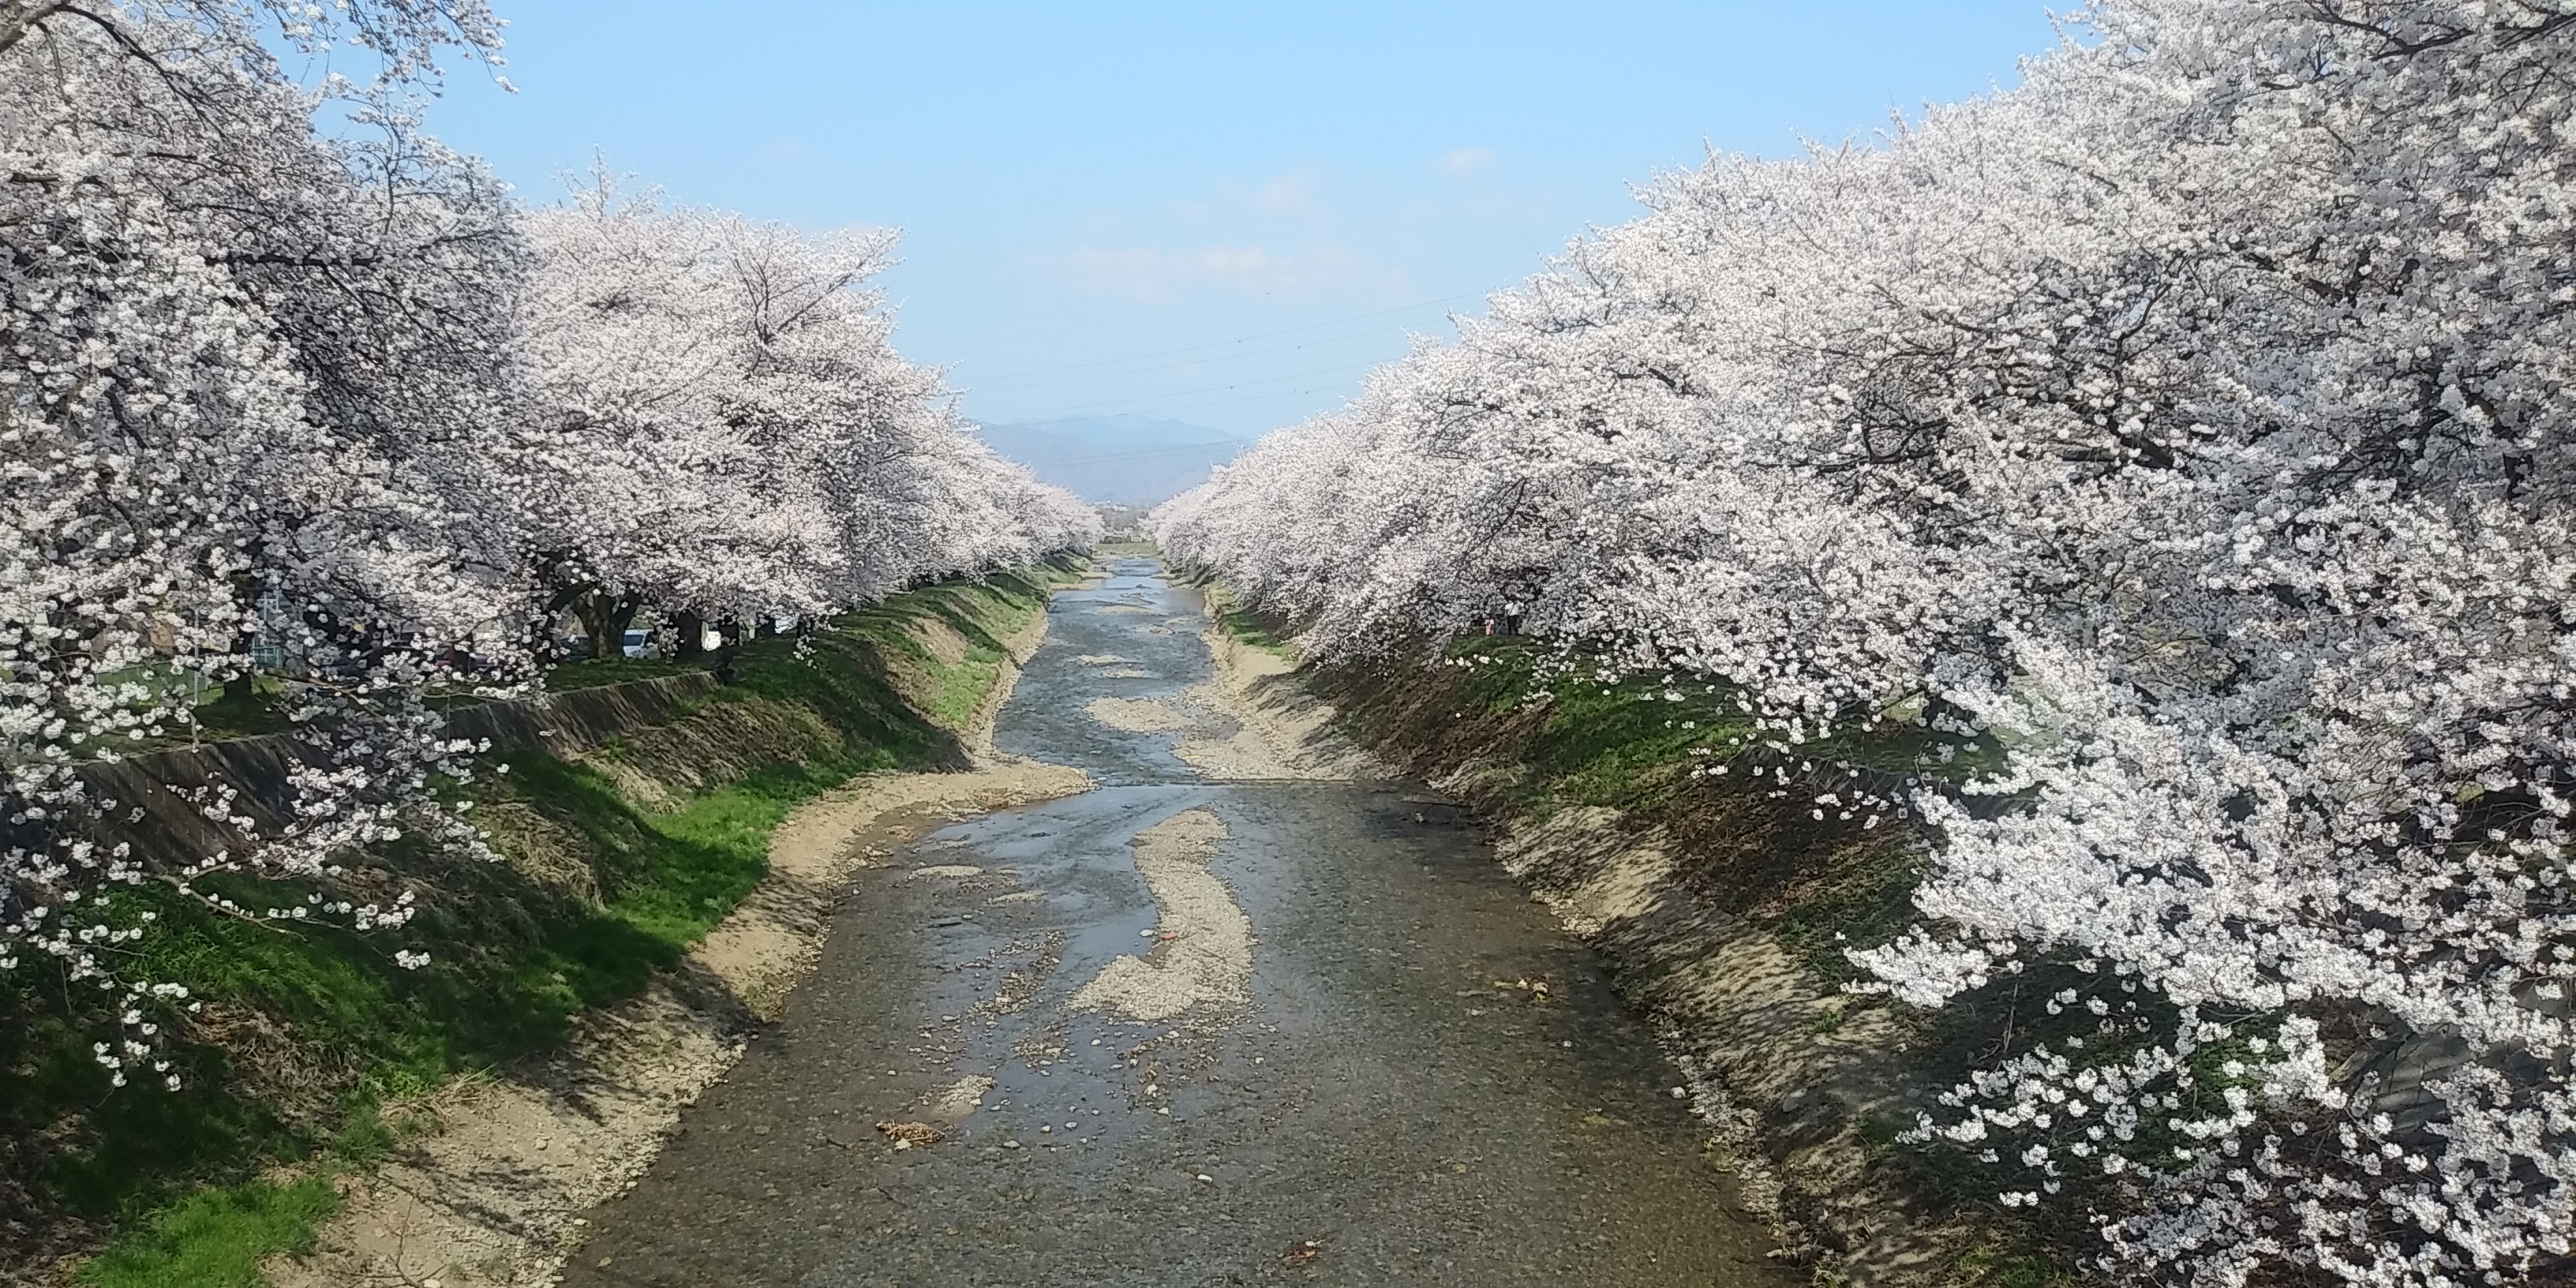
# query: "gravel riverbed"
x,y
1241,1013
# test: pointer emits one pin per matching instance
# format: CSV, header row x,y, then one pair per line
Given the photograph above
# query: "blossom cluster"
x,y
330,422
731,434
2194,423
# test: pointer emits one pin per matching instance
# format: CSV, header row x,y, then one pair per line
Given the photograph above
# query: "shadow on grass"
x,y
218,1237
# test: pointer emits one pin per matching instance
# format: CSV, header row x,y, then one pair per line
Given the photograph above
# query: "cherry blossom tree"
x,y
730,434
2192,421
248,374
404,37
330,422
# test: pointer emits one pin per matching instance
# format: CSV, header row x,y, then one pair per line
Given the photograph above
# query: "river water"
x,y
1186,1031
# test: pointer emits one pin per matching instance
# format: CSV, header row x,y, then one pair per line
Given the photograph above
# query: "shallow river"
x,y
1259,1030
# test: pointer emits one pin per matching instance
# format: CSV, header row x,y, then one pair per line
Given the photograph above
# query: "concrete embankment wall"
x,y
158,814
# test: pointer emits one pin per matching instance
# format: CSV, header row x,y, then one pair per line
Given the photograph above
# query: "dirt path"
x,y
493,1194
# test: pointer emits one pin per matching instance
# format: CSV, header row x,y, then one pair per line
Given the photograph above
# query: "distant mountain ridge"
x,y
1116,460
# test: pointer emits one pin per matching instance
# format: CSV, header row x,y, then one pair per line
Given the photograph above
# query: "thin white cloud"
x,y
1462,162
1158,275
1291,197
1292,193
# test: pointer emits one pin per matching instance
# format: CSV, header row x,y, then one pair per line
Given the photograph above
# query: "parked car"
x,y
638,643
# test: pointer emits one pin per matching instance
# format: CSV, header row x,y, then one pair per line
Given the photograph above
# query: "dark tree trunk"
x,y
692,632
242,688
566,589
729,633
604,619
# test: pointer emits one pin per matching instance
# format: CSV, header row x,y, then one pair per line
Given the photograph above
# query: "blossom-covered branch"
x,y
334,426
2193,421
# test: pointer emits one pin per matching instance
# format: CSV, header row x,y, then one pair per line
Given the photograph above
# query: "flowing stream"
x,y
1186,1029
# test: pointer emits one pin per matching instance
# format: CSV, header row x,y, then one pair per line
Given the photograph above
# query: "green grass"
x,y
309,1031
590,673
1543,730
1621,744
1246,626
985,612
1849,905
2000,1267
216,713
233,714
962,687
1633,744
217,1237
512,963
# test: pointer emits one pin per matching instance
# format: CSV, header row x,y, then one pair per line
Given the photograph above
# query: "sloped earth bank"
x,y
1685,900
1242,1013
492,1193
1779,1063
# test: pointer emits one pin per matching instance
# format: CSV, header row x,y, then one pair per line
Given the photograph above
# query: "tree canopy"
x,y
2194,421
335,416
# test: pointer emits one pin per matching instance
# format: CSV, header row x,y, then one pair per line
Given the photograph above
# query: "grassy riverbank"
x,y
312,1040
1723,878
1530,737
1246,626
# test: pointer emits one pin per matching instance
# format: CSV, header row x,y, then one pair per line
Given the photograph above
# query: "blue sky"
x,y
1214,213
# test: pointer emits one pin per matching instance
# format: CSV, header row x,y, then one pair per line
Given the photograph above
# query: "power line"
x,y
1246,339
